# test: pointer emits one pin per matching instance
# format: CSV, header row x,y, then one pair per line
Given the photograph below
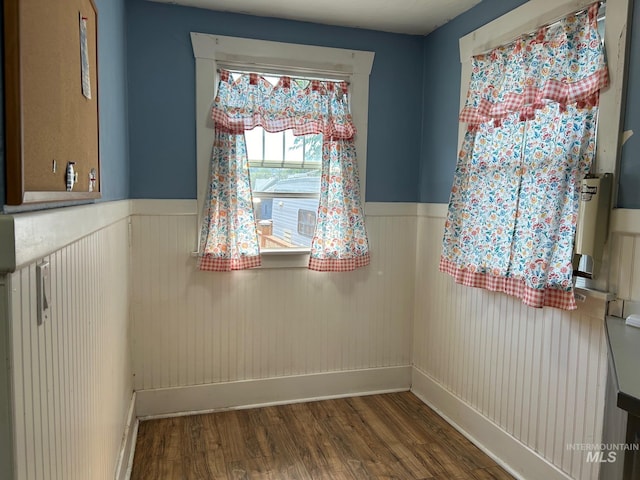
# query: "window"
x,y
530,140
276,179
528,18
285,179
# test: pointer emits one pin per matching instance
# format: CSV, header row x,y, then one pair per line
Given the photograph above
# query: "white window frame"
x,y
214,51
536,13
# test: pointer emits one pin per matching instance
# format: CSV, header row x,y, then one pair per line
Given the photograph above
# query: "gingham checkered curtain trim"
x,y
538,298
338,264
340,241
562,63
229,237
216,264
305,107
584,92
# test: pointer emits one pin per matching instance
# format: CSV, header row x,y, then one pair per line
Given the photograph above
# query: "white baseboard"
x,y
518,459
270,391
127,450
512,455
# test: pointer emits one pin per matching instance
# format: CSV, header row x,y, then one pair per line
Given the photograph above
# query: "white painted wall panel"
x,y
539,374
71,376
625,254
6,421
193,327
614,428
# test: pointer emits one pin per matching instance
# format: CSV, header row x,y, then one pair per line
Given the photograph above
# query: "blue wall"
x,y
162,95
114,150
147,45
112,78
442,98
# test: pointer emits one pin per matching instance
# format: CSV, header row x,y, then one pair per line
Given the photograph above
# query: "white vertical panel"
x,y
193,327
625,260
615,428
72,375
625,249
633,260
537,373
6,436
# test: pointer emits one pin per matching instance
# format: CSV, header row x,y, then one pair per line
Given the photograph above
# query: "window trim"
x,y
214,51
536,13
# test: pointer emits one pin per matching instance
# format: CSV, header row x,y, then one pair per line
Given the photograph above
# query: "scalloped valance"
x,y
304,106
562,63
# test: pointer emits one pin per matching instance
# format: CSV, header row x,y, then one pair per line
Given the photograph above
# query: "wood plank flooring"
x,y
390,436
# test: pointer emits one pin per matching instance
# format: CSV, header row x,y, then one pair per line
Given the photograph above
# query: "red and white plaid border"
x,y
338,264
548,297
585,90
239,125
217,264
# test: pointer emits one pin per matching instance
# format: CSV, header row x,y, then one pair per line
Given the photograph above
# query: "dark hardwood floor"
x,y
390,436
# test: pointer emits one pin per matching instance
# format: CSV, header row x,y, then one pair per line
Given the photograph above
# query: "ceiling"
x,y
418,17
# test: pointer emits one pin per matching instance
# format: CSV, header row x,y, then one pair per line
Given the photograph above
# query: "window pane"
x,y
254,143
293,151
285,222
313,148
273,146
289,180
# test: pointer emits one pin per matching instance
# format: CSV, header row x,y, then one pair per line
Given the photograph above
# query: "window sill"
x,y
284,251
285,258
584,292
281,258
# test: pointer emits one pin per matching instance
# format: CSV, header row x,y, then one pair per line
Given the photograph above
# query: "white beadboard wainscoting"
x,y
241,333
522,382
130,311
70,384
625,254
6,401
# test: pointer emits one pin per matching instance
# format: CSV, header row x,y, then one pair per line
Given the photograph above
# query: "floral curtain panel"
x,y
340,240
228,239
531,115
